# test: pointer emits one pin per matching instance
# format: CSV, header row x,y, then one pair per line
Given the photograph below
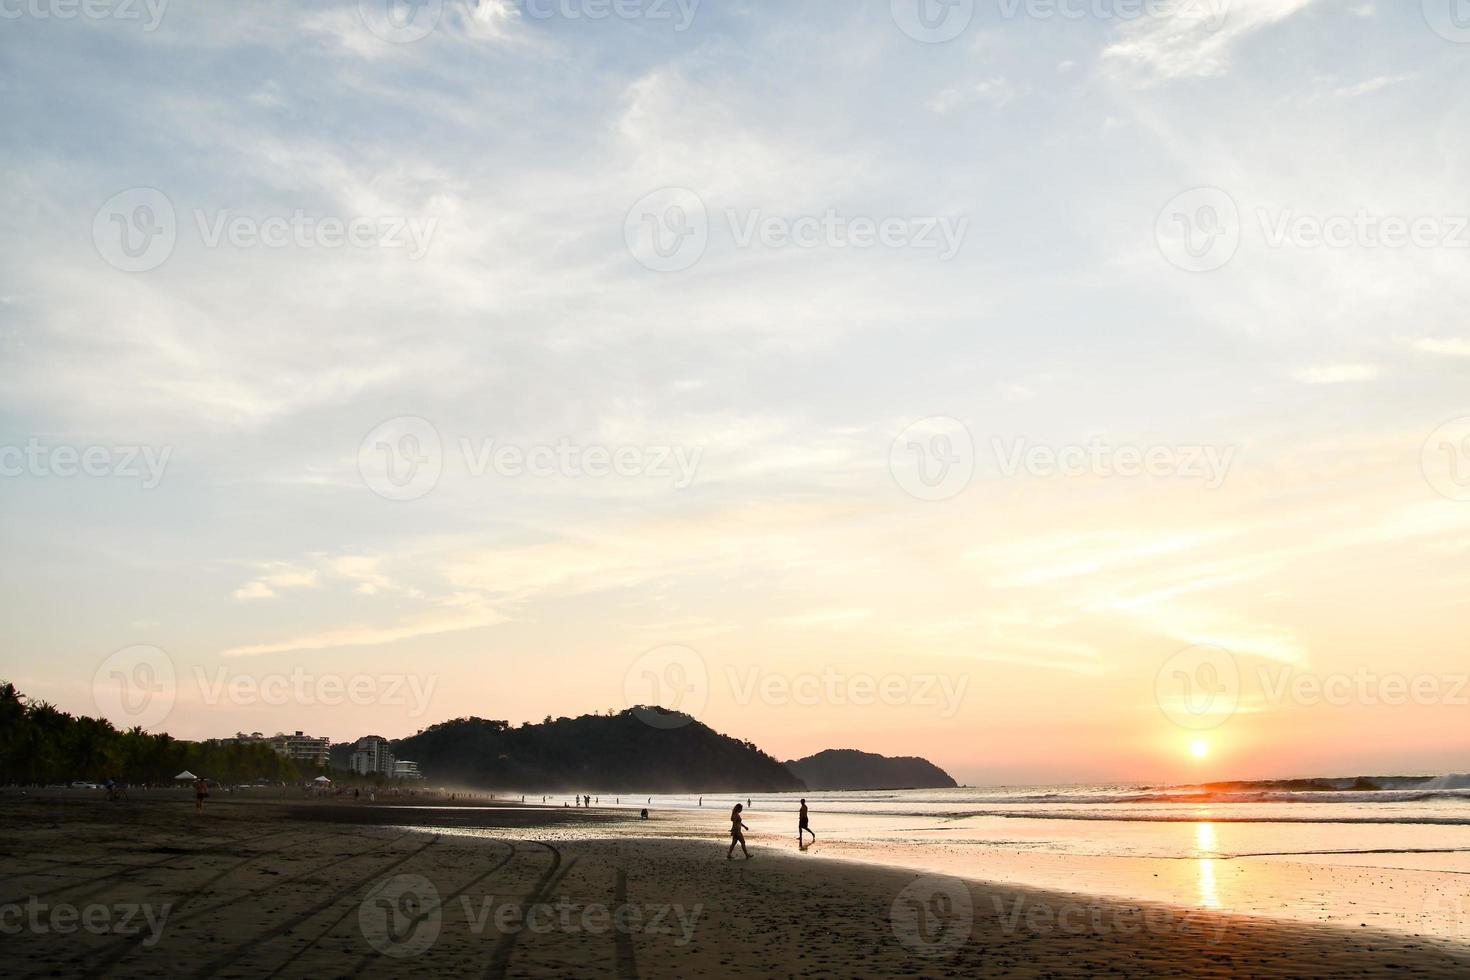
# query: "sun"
x,y
1199,748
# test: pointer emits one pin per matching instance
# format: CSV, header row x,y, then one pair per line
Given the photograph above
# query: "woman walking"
x,y
736,837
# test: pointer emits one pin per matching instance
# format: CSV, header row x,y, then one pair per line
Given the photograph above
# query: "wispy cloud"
x,y
1334,374
1195,39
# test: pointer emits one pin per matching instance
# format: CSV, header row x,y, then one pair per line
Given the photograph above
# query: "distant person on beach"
x,y
802,824
736,837
643,814
201,790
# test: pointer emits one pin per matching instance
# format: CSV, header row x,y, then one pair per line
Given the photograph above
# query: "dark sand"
x,y
325,890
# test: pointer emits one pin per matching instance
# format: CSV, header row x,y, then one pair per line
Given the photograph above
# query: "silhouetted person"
x,y
201,790
801,824
736,837
643,814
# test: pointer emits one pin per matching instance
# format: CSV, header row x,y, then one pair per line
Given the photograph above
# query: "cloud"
x,y
995,92
279,577
1448,346
1194,40
451,615
1332,374
1374,85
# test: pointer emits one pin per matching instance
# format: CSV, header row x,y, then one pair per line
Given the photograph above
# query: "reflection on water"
x,y
1207,845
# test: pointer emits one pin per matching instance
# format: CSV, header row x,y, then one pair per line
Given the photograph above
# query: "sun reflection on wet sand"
x,y
1208,845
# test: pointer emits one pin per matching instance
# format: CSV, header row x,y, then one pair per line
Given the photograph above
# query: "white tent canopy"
x,y
321,779
186,774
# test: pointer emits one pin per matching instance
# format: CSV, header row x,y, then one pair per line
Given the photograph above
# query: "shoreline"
x,y
256,889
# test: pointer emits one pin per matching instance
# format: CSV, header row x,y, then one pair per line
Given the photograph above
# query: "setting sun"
x,y
1199,748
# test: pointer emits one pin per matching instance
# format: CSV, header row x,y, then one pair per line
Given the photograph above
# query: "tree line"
x,y
41,744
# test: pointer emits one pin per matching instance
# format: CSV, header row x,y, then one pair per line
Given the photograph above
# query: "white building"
x,y
404,769
372,757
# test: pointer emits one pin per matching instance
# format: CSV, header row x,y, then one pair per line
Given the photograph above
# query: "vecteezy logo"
x,y
1211,13
1198,687
933,916
1446,459
401,21
1199,230
671,677
667,231
401,915
1450,19
135,686
136,229
933,21
933,459
402,459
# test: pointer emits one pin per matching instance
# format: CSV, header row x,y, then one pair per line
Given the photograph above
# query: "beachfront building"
x,y
404,769
304,749
301,748
372,757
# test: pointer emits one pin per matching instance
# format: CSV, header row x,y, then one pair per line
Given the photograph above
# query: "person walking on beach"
x,y
803,825
736,837
201,790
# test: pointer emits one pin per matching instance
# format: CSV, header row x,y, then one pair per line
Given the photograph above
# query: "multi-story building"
x,y
300,747
404,769
372,757
305,749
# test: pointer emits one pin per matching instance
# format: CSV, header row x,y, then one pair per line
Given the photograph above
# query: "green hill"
x,y
639,750
851,769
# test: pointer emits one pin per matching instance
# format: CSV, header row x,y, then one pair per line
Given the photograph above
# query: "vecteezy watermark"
x,y
144,463
1039,917
1199,229
401,21
1198,687
594,918
841,688
1288,228
1210,14
678,13
933,916
402,916
1363,687
667,687
669,231
933,459
137,230
574,461
1445,911
304,688
1450,19
1209,464
1445,459
403,459
149,12
932,21
135,686
96,919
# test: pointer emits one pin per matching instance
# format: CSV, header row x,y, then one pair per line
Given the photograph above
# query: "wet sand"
x,y
322,889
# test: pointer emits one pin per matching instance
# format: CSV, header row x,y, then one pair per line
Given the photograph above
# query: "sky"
x,y
1061,392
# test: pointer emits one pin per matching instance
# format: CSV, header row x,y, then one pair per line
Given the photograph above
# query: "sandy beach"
x,y
321,889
